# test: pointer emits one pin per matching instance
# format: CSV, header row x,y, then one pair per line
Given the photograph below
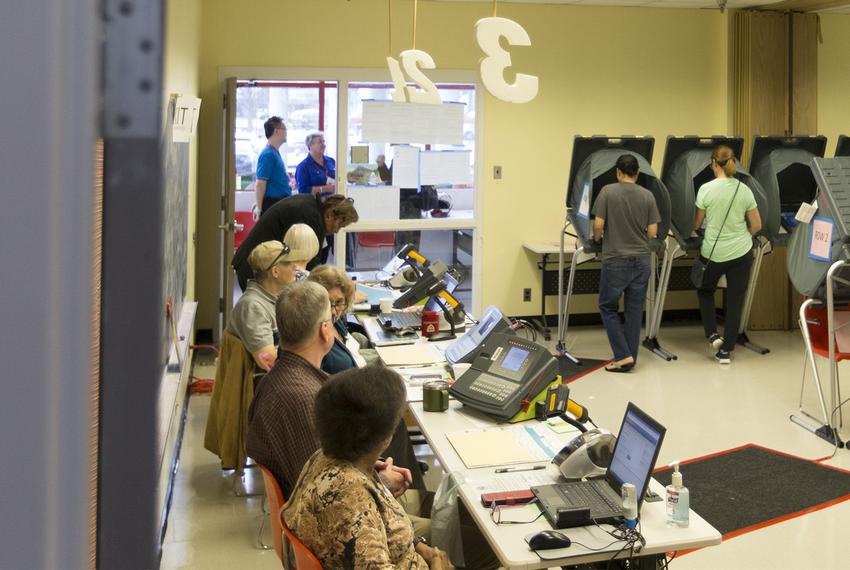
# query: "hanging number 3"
x,y
413,61
488,31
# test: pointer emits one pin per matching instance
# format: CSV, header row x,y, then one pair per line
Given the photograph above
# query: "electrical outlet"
x,y
497,172
526,295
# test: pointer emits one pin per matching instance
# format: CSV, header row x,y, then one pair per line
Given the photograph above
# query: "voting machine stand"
x,y
819,268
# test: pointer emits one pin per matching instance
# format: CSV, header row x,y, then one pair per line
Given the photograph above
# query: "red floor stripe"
x,y
572,379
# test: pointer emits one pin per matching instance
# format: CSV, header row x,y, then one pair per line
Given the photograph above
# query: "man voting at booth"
x,y
627,216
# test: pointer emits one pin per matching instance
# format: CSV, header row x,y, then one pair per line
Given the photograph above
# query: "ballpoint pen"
x,y
515,469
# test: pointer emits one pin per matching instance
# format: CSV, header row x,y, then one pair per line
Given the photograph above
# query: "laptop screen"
x,y
391,268
636,451
451,283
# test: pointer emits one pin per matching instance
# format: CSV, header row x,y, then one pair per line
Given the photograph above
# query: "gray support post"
x,y
133,308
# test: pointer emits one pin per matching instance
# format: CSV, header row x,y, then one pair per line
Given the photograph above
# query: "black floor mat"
x,y
571,371
751,487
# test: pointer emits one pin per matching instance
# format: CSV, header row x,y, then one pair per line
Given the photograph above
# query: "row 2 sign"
x,y
488,32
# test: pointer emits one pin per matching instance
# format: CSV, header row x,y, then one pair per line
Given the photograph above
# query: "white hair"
x,y
309,139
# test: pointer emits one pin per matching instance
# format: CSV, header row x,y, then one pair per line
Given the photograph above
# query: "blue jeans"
x,y
628,278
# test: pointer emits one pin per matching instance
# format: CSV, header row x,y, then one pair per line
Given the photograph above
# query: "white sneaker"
x,y
716,341
723,357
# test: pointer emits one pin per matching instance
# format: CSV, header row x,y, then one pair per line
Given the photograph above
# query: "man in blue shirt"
x,y
272,179
316,174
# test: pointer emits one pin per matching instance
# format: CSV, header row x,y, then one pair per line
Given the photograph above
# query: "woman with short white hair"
x,y
316,174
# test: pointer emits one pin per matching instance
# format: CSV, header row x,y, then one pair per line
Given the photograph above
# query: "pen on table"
x,y
515,469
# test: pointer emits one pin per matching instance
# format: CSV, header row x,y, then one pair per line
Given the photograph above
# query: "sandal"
x,y
614,367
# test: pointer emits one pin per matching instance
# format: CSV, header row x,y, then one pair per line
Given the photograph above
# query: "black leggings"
x,y
737,272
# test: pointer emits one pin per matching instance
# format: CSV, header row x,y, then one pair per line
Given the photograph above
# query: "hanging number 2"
x,y
488,32
413,61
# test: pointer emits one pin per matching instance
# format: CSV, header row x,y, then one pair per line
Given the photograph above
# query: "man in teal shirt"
x,y
272,178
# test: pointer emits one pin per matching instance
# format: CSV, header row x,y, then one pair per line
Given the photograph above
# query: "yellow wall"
x,y
834,78
180,75
602,71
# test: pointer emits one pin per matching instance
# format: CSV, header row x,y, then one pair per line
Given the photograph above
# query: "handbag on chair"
x,y
699,268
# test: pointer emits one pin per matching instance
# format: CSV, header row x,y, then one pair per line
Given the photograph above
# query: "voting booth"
x,y
782,166
819,268
592,167
686,167
842,148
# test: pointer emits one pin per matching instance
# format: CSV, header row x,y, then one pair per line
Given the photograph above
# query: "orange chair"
x,y
304,559
275,498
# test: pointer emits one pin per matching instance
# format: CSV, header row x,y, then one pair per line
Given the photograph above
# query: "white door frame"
x,y
343,76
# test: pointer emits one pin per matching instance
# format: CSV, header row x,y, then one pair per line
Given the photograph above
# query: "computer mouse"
x,y
549,539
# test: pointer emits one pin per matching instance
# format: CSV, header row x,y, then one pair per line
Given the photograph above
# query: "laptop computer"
x,y
633,460
401,320
391,268
378,335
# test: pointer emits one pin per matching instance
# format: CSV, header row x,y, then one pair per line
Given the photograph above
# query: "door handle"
x,y
231,227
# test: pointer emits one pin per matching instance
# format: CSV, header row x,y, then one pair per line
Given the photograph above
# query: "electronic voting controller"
x,y
508,370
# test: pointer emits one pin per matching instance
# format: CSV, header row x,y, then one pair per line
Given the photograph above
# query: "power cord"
x,y
524,325
835,431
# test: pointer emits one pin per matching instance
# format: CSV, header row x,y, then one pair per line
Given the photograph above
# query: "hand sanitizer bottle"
x,y
678,500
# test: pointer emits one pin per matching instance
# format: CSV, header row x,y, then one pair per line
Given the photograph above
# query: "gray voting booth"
x,y
842,147
819,268
686,167
592,167
782,166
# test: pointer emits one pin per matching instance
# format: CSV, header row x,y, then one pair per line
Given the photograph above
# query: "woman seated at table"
x,y
345,352
339,508
275,264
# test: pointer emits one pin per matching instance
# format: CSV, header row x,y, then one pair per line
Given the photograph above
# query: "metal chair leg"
x,y
260,544
239,477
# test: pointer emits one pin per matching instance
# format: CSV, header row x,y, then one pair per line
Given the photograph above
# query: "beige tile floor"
x,y
705,407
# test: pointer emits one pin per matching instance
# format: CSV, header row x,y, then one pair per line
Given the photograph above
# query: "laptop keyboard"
x,y
401,320
590,495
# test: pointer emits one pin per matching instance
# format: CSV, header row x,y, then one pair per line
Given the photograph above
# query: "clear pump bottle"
x,y
678,500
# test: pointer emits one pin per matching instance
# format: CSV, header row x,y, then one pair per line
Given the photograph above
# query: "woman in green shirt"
x,y
732,218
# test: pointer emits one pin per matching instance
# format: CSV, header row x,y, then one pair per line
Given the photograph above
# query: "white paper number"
x,y
488,31
413,61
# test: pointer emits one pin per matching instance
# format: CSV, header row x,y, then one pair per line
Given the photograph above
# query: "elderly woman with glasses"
x,y
345,352
274,264
339,508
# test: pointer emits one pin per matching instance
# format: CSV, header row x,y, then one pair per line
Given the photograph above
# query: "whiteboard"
x,y
445,167
396,122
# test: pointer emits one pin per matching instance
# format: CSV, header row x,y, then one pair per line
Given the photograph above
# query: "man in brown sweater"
x,y
281,432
